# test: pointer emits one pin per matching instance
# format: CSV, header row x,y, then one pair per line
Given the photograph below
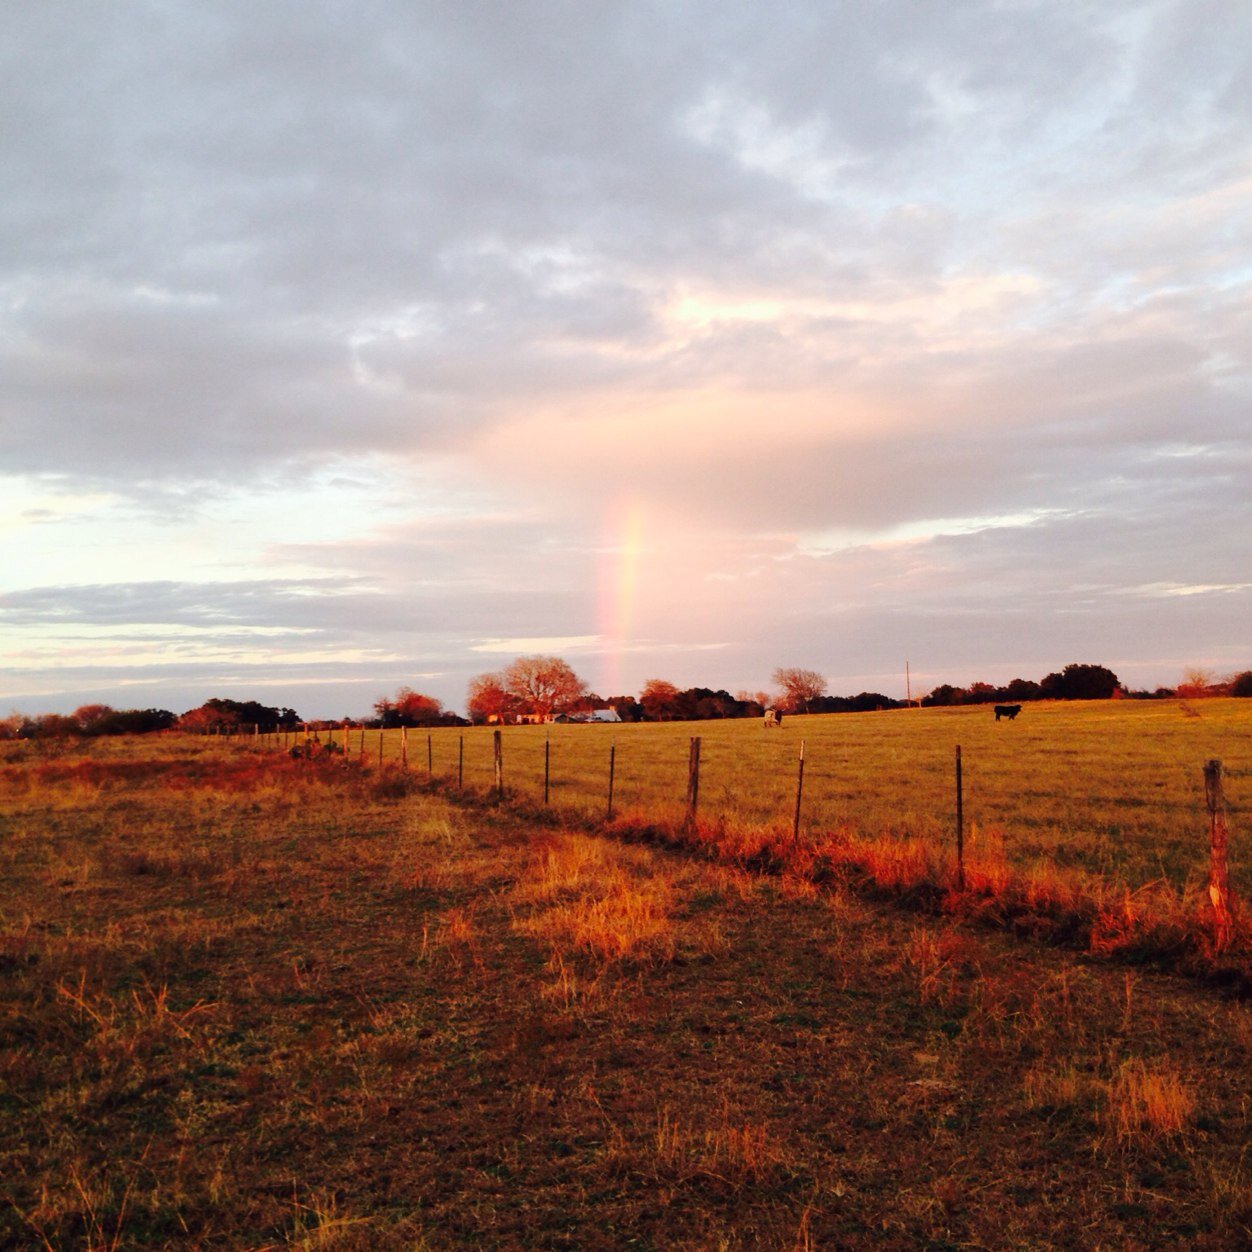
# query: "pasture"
x,y
1112,788
250,1001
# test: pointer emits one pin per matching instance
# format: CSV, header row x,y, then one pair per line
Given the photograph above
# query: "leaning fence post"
x,y
498,758
612,763
693,779
1219,879
960,824
795,825
547,765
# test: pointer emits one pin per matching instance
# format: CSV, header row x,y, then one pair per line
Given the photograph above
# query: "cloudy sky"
x,y
345,346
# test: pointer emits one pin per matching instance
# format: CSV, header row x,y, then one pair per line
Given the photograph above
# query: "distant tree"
x,y
221,714
408,708
1240,685
543,685
488,698
981,693
48,726
204,719
799,687
1080,682
659,700
1021,689
134,722
944,695
88,717
1198,683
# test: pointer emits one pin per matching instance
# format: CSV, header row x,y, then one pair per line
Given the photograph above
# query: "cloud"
x,y
370,325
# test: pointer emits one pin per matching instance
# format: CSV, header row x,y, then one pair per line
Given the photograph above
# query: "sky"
x,y
352,346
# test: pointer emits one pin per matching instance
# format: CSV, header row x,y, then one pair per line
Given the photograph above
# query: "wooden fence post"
x,y
612,763
497,752
960,824
404,747
693,779
1219,835
795,825
430,759
380,747
362,745
547,765
460,765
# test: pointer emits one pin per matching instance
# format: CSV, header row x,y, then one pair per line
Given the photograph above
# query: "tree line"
x,y
541,688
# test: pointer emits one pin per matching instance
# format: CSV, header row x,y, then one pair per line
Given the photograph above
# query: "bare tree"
x,y
798,688
543,684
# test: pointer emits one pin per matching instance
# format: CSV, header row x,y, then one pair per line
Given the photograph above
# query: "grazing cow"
x,y
1007,710
773,717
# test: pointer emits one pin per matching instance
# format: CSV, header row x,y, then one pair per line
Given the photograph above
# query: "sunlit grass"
x,y
1113,788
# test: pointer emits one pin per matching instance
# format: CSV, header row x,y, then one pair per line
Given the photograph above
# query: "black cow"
x,y
1007,710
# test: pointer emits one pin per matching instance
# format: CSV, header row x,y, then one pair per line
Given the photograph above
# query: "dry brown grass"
x,y
1149,1101
387,1020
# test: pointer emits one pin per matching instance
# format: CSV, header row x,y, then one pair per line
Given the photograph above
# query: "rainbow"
x,y
619,589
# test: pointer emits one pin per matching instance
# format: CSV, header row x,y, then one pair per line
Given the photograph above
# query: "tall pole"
x,y
908,686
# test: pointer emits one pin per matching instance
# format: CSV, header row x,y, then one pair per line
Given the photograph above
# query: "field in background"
x,y
1112,788
248,1001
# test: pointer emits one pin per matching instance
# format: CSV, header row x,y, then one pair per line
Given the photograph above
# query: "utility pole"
x,y
908,686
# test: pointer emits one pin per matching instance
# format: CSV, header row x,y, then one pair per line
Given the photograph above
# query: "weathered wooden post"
x,y
404,747
362,752
460,765
498,759
1219,835
795,825
693,779
960,824
430,759
612,763
547,765
380,747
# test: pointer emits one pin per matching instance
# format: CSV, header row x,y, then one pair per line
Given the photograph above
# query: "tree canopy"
x,y
543,685
799,687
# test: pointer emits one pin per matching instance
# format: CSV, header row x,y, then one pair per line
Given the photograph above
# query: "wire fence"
x,y
1132,817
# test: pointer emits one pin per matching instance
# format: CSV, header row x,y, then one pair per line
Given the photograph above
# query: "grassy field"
x,y
256,1002
1114,788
